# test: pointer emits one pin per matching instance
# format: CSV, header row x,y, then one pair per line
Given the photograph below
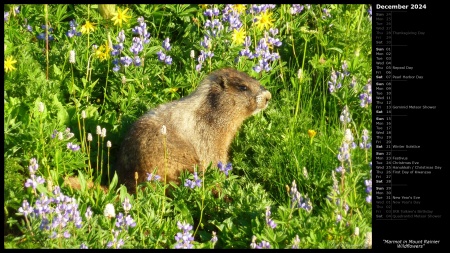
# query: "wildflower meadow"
x,y
77,76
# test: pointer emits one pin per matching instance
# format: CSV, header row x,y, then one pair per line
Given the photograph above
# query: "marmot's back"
x,y
199,128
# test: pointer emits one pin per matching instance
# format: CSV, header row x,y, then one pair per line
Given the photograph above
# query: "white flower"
x,y
72,56
192,54
164,130
60,136
99,130
348,138
368,241
109,211
89,137
108,144
103,133
356,231
300,74
83,114
41,107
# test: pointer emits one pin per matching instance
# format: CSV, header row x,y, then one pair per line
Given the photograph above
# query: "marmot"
x,y
199,128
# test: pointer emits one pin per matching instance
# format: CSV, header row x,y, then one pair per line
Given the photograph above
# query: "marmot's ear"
x,y
219,80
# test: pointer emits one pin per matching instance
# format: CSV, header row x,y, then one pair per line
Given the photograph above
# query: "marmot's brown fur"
x,y
199,128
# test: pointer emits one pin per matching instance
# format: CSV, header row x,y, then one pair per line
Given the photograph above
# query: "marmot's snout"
x,y
263,98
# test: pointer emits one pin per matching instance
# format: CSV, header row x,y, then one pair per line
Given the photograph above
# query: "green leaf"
x,y
113,183
336,49
57,70
62,115
82,181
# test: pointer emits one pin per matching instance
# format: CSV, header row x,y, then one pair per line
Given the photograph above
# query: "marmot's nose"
x,y
266,94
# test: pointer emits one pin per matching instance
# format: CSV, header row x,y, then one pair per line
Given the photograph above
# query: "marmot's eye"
x,y
242,87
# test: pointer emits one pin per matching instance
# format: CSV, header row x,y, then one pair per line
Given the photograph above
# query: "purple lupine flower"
x,y
211,12
224,169
326,13
66,234
344,152
246,53
338,218
353,82
41,36
119,220
297,200
368,184
84,246
116,244
121,37
73,29
256,9
344,67
129,222
116,65
185,238
73,147
141,30
34,181
345,115
214,237
88,213
193,183
365,144
296,244
232,17
151,177
161,55
126,205
137,46
124,222
206,42
247,41
166,44
366,97
126,61
137,61
296,9
55,132
333,83
168,60
34,166
263,245
6,15
25,209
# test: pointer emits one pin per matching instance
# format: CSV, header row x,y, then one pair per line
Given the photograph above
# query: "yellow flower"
x,y
265,20
311,133
87,28
102,52
120,17
238,36
9,64
240,8
204,6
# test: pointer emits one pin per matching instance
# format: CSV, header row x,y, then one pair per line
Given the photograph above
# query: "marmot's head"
x,y
235,92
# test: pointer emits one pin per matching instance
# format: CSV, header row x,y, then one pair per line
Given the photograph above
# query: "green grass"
x,y
297,138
